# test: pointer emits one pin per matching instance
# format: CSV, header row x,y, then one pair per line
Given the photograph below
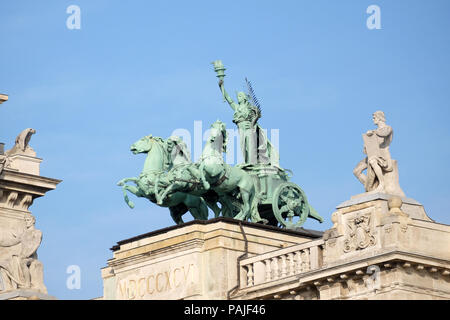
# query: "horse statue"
x,y
156,164
185,176
225,179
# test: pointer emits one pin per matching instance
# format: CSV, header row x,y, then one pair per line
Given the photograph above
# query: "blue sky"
x,y
141,67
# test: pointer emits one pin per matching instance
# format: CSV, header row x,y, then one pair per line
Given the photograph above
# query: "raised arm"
x,y
226,96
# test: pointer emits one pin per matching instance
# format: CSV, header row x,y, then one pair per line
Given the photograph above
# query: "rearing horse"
x,y
156,164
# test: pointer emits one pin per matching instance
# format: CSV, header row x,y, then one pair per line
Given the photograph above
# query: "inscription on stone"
x,y
178,281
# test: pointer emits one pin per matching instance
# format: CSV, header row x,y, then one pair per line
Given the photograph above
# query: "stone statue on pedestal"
x,y
21,157
382,170
21,145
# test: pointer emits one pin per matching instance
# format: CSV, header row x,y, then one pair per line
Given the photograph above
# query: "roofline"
x,y
300,231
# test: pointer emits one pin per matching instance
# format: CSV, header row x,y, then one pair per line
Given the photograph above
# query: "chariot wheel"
x,y
290,206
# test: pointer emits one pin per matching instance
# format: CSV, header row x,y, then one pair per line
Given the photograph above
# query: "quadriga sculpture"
x,y
258,190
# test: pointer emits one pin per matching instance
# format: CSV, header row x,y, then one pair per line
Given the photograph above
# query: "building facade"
x,y
380,247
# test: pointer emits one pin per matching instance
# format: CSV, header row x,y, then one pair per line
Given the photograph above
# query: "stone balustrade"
x,y
281,263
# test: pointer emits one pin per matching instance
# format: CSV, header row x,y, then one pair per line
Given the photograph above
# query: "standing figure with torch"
x,y
253,142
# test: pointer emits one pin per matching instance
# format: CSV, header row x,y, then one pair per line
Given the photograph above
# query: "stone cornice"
x,y
303,232
35,185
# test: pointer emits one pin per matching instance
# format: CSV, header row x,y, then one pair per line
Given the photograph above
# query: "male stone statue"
x,y
382,171
19,267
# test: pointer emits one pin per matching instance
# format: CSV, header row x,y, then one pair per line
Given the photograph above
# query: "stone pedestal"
x,y
197,260
409,206
25,164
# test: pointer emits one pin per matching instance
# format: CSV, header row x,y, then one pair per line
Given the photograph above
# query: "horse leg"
x,y
255,217
134,190
160,198
227,207
123,181
155,190
250,201
246,209
206,184
176,212
243,213
197,207
214,207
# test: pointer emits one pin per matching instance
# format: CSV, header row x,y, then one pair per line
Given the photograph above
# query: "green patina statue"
x,y
255,147
258,190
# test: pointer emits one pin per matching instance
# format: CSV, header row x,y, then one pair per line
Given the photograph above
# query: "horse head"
x,y
177,150
145,144
154,148
218,136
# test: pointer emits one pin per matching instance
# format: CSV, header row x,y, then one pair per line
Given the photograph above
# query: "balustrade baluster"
x,y
250,274
305,260
291,263
268,270
298,262
275,274
283,266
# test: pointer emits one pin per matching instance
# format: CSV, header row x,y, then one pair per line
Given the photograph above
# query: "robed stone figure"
x,y
19,267
382,170
255,147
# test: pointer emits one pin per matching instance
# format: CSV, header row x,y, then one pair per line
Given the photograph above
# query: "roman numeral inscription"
x,y
165,282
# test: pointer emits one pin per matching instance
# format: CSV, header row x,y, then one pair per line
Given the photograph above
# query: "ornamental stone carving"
x,y
21,145
359,234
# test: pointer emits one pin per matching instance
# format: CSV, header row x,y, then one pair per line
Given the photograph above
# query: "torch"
x,y
220,70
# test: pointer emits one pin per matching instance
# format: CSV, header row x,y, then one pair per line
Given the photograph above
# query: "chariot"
x,y
281,202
